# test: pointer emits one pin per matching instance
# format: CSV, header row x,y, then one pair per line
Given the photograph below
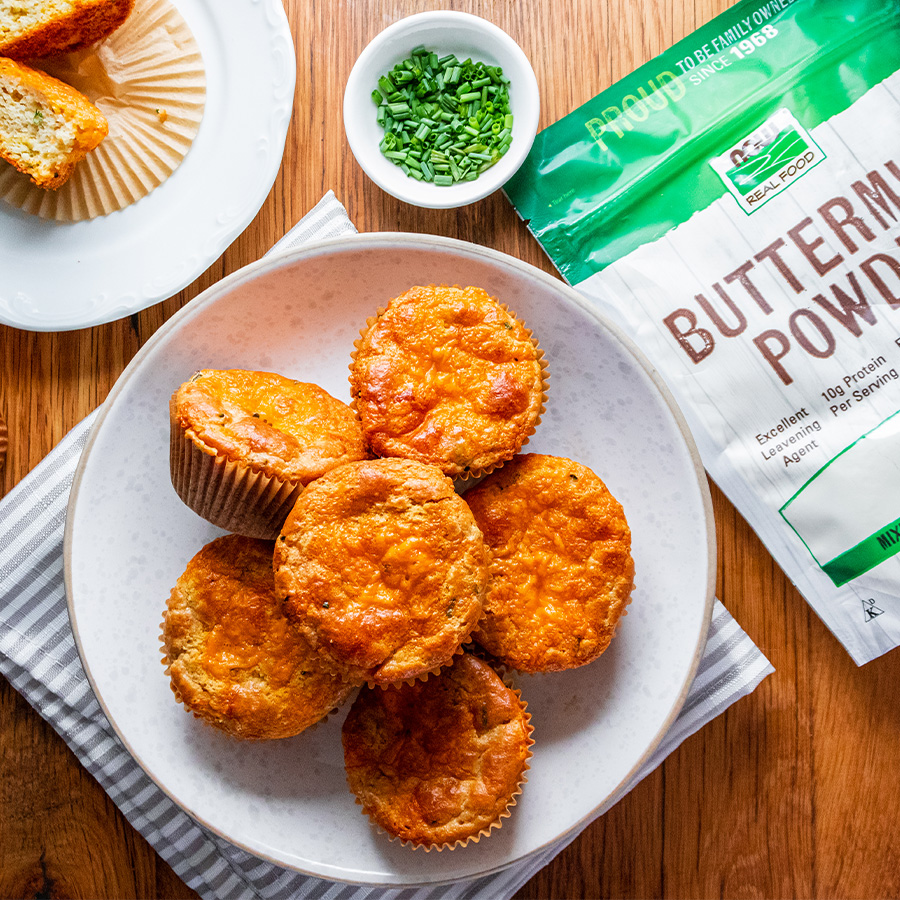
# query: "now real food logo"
x,y
767,161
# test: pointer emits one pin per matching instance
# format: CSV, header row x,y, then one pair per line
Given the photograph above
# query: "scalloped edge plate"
x,y
60,276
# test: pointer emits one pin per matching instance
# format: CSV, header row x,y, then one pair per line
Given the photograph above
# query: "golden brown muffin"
x,y
46,127
244,444
37,28
447,376
383,569
233,658
562,572
438,762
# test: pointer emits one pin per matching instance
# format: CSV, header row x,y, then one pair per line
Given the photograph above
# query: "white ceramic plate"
x,y
58,276
129,537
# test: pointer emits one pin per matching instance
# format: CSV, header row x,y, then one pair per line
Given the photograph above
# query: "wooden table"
x,y
793,792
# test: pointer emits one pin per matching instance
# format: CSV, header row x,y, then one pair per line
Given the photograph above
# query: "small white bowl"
x,y
442,31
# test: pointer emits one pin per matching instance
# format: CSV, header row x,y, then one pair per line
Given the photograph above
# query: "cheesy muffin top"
x,y
561,570
447,376
383,569
288,429
438,762
233,658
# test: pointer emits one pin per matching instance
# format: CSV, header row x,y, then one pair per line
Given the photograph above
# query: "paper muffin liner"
x,y
4,441
209,722
545,379
148,79
229,494
497,823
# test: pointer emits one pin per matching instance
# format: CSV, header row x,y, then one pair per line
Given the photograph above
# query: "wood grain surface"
x,y
793,792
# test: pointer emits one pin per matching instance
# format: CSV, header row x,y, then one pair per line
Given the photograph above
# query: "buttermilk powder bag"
x,y
734,205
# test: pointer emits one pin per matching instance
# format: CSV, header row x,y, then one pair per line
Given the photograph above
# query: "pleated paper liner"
x,y
227,493
4,442
149,80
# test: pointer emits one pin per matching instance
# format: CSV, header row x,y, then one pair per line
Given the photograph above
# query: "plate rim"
x,y
274,13
422,241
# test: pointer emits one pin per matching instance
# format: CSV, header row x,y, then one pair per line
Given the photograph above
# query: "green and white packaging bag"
x,y
734,205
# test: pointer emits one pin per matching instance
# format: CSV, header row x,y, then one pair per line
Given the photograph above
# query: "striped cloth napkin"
x,y
39,658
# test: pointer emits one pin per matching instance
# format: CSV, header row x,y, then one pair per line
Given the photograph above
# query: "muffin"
x,y
561,569
244,445
233,659
46,126
438,762
449,377
383,569
32,29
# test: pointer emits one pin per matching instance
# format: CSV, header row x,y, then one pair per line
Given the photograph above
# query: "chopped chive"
x,y
445,120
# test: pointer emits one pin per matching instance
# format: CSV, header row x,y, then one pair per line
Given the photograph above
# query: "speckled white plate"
x,y
129,537
58,276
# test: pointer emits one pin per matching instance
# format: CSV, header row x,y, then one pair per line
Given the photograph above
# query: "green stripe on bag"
x,y
632,163
865,555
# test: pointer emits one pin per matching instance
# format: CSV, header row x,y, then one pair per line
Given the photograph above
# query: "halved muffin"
x,y
37,28
46,126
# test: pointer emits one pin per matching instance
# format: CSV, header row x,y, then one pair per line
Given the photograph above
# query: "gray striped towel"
x,y
38,656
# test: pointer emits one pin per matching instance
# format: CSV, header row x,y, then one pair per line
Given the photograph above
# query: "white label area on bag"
x,y
848,513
